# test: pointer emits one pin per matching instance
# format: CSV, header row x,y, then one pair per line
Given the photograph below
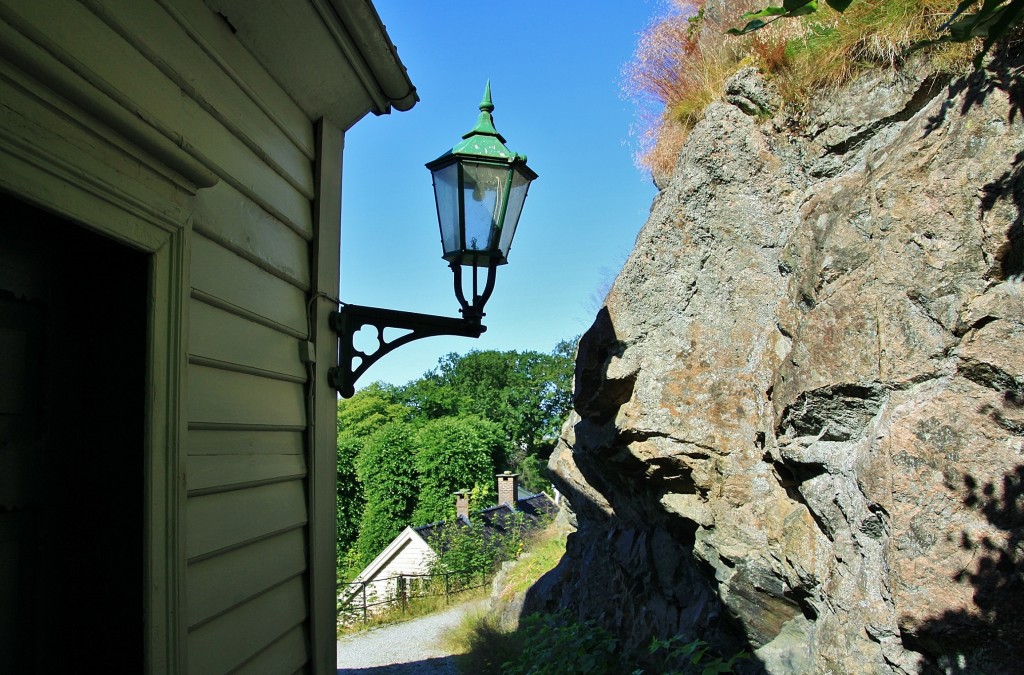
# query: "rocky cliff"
x,y
799,423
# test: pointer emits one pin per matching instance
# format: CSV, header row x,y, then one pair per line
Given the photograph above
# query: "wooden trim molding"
x,y
131,20
165,560
44,61
58,168
323,450
356,28
198,21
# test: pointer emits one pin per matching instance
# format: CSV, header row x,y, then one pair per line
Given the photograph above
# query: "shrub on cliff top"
x,y
684,58
680,65
833,47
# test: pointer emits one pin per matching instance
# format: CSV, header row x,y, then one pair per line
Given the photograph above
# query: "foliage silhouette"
x,y
1003,73
1011,255
986,638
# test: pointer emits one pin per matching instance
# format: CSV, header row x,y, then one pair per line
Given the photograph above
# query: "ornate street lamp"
x,y
479,188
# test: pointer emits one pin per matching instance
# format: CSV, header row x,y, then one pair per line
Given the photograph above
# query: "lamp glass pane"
x,y
516,197
446,194
483,192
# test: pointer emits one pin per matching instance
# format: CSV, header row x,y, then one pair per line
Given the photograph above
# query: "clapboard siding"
x,y
224,215
235,442
99,54
224,521
282,259
286,655
228,641
411,559
213,141
222,583
216,335
242,286
218,473
222,397
164,42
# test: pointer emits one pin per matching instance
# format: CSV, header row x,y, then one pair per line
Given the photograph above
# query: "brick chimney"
x,y
462,504
508,488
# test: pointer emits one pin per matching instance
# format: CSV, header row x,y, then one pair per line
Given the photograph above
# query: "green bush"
x,y
453,453
470,549
560,644
690,658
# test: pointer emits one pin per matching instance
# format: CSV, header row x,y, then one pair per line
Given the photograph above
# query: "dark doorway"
x,y
73,341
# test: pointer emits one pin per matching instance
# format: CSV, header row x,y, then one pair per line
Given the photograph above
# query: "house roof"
x,y
497,521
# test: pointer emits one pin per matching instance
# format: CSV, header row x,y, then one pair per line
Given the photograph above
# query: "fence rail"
x,y
361,599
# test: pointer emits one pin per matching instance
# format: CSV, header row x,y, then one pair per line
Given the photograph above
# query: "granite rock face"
x,y
799,422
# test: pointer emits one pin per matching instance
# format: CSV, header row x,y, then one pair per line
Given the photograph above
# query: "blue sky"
x,y
556,71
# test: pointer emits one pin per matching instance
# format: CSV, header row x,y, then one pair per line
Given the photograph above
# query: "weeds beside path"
x,y
414,647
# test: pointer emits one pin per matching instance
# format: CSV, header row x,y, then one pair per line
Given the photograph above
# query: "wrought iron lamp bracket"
x,y
481,168
351,318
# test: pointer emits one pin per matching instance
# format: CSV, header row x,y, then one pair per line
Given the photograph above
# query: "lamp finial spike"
x,y
485,122
486,105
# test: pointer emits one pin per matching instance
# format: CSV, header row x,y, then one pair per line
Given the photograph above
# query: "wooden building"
x,y
170,176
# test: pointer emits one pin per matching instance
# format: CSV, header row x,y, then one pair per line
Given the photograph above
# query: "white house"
x,y
413,551
407,555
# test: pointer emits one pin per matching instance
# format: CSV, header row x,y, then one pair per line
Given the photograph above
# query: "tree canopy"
x,y
455,453
527,393
388,476
367,412
403,451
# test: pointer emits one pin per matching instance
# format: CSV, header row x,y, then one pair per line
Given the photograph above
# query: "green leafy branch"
x,y
993,21
790,9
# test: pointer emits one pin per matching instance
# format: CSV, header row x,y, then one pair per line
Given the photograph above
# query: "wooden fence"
x,y
360,599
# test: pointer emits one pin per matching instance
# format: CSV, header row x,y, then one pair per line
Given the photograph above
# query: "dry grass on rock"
x,y
683,59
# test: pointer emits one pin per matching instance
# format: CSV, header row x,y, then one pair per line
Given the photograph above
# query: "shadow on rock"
x,y
1005,72
630,565
987,637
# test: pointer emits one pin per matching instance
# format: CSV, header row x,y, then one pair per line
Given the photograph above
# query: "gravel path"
x,y
411,648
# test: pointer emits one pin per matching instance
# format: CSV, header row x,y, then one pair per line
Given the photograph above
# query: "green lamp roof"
x,y
483,140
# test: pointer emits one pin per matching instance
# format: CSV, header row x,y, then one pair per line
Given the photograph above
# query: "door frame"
x,y
95,200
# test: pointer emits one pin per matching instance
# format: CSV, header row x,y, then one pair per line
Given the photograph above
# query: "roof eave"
x,y
388,76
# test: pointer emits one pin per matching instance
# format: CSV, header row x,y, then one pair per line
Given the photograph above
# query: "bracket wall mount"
x,y
347,321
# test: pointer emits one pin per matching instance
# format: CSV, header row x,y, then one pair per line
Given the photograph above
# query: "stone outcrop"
x,y
799,422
